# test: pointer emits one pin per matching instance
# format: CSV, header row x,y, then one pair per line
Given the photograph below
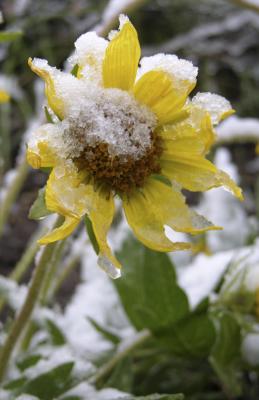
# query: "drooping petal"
x,y
4,96
147,224
183,161
42,149
101,214
121,58
217,106
68,226
61,88
157,205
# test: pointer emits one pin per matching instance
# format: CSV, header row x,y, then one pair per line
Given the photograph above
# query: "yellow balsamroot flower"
x,y
129,130
4,96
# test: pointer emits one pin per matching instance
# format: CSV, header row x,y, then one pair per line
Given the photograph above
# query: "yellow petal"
x,y
41,156
65,194
101,215
121,59
217,106
155,89
4,96
147,224
47,73
61,232
182,161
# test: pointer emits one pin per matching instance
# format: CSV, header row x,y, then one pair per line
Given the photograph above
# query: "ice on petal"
x,y
89,54
180,70
108,267
217,106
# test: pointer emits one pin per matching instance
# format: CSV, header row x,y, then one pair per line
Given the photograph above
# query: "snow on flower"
x,y
128,131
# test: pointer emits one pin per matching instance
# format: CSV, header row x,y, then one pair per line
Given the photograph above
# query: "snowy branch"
x,y
236,129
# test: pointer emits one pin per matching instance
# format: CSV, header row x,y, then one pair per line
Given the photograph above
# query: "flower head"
x,y
130,131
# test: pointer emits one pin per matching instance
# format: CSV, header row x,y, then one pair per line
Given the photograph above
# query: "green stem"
x,y
24,263
66,271
57,254
12,192
247,4
24,315
122,352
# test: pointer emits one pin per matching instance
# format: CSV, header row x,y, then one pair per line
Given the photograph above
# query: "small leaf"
x,y
74,70
57,337
148,288
90,231
163,179
8,36
15,384
104,331
28,362
38,209
51,384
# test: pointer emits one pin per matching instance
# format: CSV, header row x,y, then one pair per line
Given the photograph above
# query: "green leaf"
x,y
15,384
148,288
225,356
50,384
38,209
90,231
57,337
28,361
194,336
122,376
74,70
8,36
104,331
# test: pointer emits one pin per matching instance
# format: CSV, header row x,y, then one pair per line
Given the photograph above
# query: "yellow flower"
x,y
4,96
130,131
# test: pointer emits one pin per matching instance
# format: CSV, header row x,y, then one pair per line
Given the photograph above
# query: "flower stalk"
x,y
24,315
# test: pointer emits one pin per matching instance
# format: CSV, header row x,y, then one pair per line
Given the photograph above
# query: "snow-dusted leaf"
x,y
57,336
28,361
155,397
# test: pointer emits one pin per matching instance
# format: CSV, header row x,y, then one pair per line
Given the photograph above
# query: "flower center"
x,y
111,136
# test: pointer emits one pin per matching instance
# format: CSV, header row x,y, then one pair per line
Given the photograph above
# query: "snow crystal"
x,y
67,87
110,116
216,105
180,70
89,54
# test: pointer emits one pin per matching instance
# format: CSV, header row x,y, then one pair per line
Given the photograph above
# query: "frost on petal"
x,y
181,71
217,106
105,264
62,89
89,55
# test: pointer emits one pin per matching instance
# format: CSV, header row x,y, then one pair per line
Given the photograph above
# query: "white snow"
x,y
250,347
214,104
179,69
